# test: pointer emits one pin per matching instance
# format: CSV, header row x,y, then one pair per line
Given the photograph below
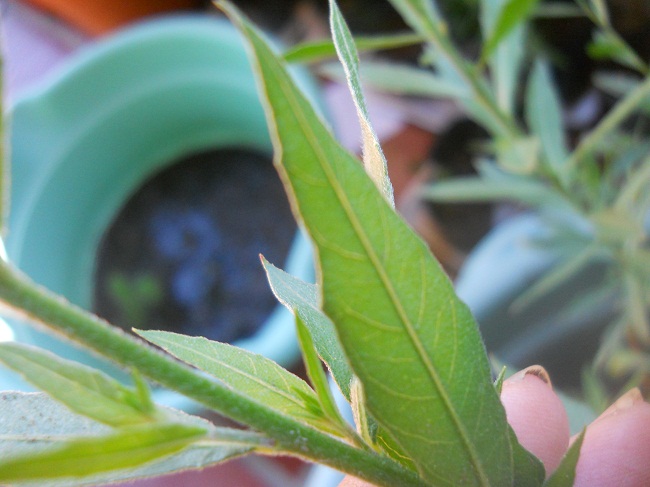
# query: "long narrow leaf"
x,y
323,50
21,435
401,79
41,307
609,45
126,448
317,377
373,157
422,15
251,374
469,189
511,14
83,389
544,115
412,343
504,32
303,300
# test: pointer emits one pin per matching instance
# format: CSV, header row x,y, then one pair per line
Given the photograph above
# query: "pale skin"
x,y
616,448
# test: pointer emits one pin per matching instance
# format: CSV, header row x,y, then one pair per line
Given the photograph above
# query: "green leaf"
x,y
544,115
405,80
411,342
400,79
83,389
529,470
505,65
565,474
302,299
498,383
323,50
373,157
472,189
616,225
511,14
608,45
422,15
549,10
33,423
365,426
38,305
506,56
596,9
317,376
127,447
637,300
639,261
593,390
518,155
253,375
634,188
372,433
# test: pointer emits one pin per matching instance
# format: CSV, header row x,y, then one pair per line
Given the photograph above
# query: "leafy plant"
x,y
589,192
589,189
383,317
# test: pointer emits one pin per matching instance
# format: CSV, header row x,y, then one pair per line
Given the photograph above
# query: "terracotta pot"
x,y
96,17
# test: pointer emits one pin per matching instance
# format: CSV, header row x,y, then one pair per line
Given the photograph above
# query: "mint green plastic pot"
x,y
119,111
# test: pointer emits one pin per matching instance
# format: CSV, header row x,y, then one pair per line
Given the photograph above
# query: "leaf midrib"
x,y
408,326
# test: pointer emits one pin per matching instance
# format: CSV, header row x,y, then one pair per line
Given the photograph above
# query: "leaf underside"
x,y
253,375
83,389
33,423
412,343
303,300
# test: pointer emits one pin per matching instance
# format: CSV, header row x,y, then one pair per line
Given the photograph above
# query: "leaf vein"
x,y
382,272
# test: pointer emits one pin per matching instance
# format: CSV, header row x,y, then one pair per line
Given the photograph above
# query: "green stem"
x,y
613,119
435,31
506,126
46,308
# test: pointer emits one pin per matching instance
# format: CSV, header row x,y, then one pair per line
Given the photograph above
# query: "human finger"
x,y
616,447
537,415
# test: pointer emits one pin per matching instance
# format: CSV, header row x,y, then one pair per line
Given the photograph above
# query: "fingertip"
x,y
537,415
616,447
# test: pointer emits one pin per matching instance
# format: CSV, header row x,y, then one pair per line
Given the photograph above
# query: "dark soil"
x,y
183,253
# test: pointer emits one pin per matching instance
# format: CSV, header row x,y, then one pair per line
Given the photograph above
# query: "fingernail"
x,y
537,371
623,403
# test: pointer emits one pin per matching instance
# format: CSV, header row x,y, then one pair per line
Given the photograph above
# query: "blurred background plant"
x,y
555,97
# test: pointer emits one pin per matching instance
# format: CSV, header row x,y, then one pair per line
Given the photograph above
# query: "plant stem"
x,y
46,308
435,31
613,119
